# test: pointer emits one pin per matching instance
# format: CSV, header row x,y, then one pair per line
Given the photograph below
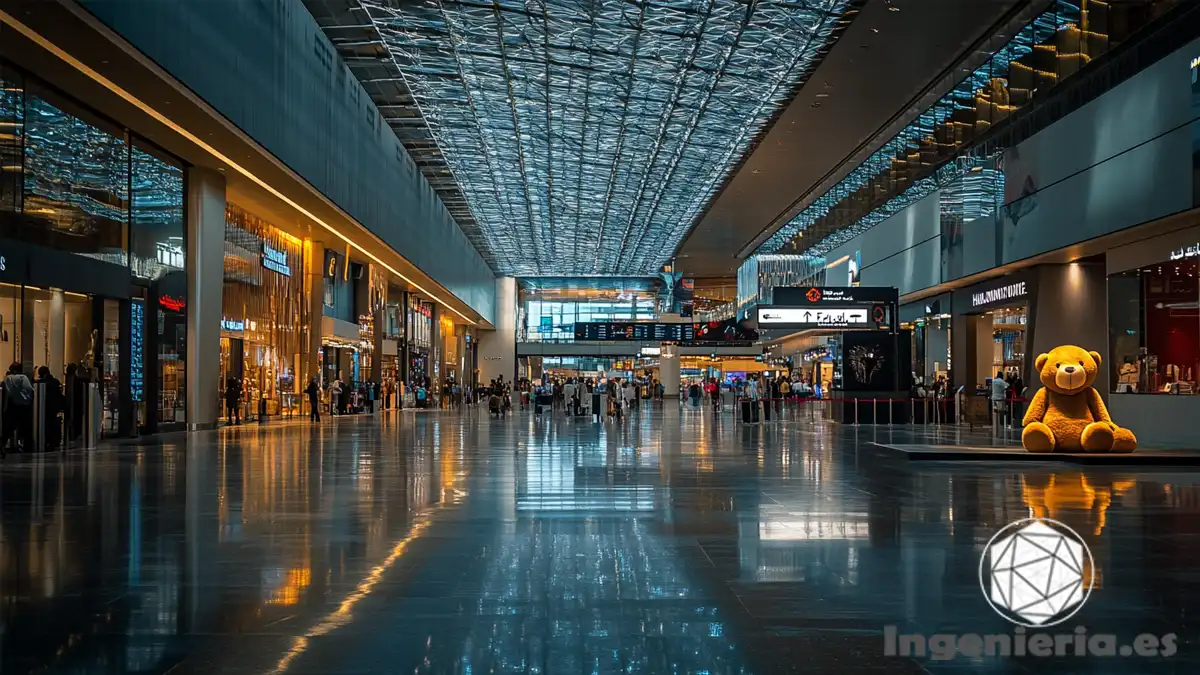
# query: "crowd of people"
x,y
63,408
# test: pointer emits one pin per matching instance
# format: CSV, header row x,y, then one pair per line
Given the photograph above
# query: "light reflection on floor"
x,y
440,542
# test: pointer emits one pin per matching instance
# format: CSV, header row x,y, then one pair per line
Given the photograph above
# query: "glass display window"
x,y
1154,328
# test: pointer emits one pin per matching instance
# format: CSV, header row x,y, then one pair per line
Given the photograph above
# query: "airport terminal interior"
x,y
704,337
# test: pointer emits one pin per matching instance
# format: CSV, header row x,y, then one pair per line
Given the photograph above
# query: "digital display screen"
x,y
631,331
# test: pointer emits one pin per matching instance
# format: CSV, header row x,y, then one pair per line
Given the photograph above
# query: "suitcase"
x,y
745,411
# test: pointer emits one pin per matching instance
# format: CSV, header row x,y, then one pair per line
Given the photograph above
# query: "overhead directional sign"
x,y
816,317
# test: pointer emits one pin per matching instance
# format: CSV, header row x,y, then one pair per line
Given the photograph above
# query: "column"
x,y
57,332
314,282
205,280
437,369
498,348
668,370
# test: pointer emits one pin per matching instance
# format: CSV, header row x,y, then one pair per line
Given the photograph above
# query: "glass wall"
x,y
540,320
1054,46
1154,324
156,243
76,188
266,313
74,182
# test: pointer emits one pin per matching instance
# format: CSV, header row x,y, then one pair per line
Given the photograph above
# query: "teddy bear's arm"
x,y
1096,404
1037,408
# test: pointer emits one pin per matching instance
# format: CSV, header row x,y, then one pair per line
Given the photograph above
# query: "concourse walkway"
x,y
450,542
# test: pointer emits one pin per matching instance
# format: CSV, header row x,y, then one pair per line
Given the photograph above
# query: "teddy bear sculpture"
x,y
1067,414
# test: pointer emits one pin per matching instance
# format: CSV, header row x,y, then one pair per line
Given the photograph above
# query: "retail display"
x,y
1067,413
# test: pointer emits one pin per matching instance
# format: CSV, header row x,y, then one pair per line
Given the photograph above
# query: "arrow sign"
x,y
798,317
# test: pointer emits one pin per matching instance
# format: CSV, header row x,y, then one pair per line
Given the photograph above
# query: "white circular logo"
x,y
1036,572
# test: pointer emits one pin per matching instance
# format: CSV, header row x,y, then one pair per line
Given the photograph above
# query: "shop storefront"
x,y
419,345
989,327
266,315
389,356
91,257
340,331
929,320
1154,337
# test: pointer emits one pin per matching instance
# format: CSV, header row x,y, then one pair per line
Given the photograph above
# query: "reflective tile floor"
x,y
440,542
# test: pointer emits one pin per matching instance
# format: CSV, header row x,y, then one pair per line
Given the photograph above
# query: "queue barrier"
x,y
872,410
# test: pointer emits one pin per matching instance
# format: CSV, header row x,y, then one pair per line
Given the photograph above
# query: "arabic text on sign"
x,y
1186,252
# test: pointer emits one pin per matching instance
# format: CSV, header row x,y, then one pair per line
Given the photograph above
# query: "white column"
x,y
205,278
498,348
668,370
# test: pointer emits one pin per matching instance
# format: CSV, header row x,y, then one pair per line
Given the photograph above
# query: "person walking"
x,y
233,400
314,400
714,393
17,409
753,395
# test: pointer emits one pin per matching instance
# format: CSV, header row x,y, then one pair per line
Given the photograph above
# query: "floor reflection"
x,y
672,542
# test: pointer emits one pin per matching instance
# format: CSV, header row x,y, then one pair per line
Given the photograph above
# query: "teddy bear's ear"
x,y
1096,355
1041,361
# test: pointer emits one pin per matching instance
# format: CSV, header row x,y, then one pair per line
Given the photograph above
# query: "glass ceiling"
x,y
590,135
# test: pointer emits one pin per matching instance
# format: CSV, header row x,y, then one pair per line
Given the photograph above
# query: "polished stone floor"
x,y
449,542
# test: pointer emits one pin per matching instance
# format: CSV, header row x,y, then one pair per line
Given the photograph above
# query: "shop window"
x,y
10,324
1154,319
76,186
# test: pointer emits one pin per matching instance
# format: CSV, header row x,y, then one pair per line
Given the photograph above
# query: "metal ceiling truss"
x,y
587,136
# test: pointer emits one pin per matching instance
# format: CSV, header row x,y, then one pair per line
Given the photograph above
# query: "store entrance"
x,y
233,365
75,336
998,338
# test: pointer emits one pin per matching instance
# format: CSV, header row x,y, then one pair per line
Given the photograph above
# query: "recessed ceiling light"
x,y
893,8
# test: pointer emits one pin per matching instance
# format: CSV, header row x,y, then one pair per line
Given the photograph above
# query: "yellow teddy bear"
x,y
1067,414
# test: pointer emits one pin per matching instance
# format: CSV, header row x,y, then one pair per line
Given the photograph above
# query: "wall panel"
x,y
268,68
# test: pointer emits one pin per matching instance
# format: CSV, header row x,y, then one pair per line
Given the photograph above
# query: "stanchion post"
x,y
874,411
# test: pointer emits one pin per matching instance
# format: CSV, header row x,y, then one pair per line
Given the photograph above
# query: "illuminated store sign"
x,y
999,294
1186,252
275,260
171,303
3,263
233,326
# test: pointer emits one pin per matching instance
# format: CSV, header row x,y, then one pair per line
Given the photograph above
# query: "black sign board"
x,y
729,330
799,296
609,331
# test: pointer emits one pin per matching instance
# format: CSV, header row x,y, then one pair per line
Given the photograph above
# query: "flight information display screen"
x,y
617,331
